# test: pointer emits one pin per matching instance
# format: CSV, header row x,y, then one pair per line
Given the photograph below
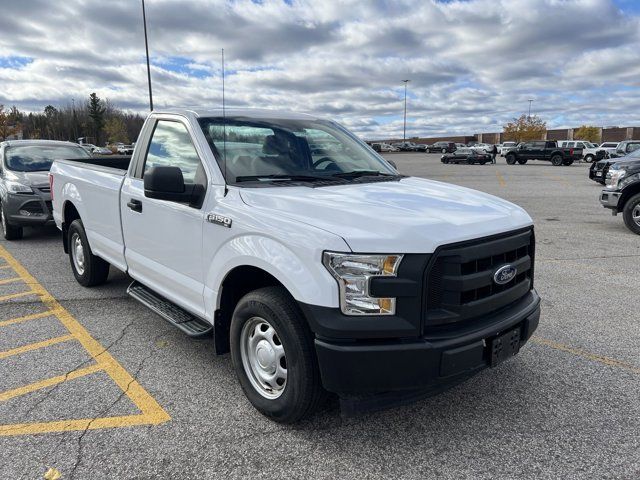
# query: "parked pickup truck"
x,y
622,193
543,150
319,273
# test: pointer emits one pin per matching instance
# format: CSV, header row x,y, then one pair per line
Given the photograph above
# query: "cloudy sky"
x,y
473,65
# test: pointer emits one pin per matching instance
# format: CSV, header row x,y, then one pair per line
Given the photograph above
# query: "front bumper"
x,y
437,360
610,199
28,210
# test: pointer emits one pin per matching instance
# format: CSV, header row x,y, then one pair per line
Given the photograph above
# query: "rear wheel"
x,y
589,158
511,159
274,357
631,214
88,269
444,150
522,161
9,232
556,160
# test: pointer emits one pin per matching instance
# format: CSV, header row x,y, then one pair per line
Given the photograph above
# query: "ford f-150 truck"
x,y
543,150
319,272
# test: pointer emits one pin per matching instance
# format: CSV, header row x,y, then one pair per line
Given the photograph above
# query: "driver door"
x,y
163,239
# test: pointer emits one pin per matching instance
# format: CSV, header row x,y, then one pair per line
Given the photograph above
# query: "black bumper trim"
x,y
431,362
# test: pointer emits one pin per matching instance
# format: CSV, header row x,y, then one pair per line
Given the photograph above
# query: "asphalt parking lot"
x,y
96,386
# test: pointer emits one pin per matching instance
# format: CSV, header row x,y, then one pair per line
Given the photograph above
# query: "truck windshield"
x,y
300,150
38,158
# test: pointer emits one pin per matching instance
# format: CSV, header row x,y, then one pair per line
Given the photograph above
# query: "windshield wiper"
x,y
363,173
281,177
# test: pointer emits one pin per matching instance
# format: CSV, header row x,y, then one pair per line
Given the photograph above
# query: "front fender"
x,y
303,276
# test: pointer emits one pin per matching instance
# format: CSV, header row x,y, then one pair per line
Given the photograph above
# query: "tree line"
x,y
96,121
531,127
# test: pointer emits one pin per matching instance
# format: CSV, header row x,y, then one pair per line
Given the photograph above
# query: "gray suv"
x,y
25,195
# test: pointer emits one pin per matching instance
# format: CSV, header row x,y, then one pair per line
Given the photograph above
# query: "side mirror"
x,y
520,147
167,183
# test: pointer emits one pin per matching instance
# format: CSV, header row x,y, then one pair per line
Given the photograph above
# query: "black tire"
x,y
589,158
627,213
94,270
302,393
556,160
522,161
511,159
9,232
567,162
444,150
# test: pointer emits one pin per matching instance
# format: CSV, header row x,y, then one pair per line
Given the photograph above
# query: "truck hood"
x,y
412,215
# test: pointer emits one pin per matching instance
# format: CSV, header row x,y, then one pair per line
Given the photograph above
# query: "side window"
x,y
171,146
632,147
571,144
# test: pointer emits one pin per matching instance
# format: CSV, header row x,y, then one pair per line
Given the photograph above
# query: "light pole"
x,y
404,129
530,101
146,47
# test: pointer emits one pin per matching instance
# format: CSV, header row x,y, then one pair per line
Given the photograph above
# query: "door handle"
x,y
135,205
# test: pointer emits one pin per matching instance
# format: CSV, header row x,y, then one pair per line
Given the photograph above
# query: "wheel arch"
x,y
69,214
628,192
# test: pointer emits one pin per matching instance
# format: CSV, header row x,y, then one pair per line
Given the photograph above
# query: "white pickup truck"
x,y
320,270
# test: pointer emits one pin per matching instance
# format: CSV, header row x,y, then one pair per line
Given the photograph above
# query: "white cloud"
x,y
472,64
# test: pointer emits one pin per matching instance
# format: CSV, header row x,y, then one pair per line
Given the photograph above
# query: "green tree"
x,y
524,129
96,110
6,127
588,133
116,130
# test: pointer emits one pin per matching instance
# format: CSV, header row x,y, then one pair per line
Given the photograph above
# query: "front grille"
x,y
460,282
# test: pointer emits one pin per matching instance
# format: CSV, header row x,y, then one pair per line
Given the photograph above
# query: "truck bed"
x,y
118,162
95,186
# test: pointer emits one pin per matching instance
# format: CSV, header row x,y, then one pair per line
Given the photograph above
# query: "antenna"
x,y
146,47
224,132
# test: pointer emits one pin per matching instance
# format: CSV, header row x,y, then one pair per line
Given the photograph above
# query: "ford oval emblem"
x,y
505,274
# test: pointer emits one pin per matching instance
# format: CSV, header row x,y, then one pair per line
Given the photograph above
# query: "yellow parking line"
x,y
34,316
82,424
49,382
611,362
9,280
35,346
151,412
501,180
16,295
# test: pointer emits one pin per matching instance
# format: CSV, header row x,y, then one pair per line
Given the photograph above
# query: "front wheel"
x,y
9,232
88,269
631,214
511,159
274,356
589,158
556,160
444,150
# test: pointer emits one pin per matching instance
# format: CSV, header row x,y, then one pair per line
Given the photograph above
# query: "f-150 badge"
x,y
219,220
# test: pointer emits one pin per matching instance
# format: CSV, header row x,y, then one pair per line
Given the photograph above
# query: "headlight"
x,y
15,187
353,273
616,176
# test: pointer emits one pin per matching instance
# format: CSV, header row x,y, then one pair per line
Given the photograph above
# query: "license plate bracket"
x,y
504,347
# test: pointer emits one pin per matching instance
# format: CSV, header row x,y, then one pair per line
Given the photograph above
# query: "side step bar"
x,y
188,323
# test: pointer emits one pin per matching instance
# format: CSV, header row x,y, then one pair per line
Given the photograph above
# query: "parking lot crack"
x,y
124,392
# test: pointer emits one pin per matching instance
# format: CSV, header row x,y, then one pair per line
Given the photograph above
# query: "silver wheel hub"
x,y
77,253
263,358
636,214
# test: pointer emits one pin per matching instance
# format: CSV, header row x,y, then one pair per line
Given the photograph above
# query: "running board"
x,y
176,316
